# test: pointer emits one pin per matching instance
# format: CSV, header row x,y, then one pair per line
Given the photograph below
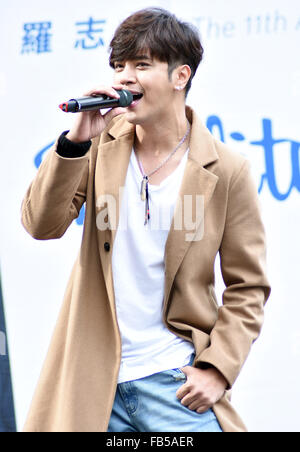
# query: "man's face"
x,y
149,77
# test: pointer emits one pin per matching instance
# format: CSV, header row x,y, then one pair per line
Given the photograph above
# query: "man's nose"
x,y
127,76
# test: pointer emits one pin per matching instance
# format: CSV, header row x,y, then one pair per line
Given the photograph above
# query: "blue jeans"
x,y
150,405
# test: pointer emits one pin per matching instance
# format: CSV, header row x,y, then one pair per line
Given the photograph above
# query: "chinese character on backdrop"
x,y
37,38
92,35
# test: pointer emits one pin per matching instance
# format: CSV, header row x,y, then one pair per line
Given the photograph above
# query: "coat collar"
x,y
203,155
111,169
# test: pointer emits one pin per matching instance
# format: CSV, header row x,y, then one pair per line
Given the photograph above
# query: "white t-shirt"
x,y
138,268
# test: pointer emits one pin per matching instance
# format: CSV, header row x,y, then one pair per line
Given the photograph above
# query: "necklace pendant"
x,y
143,188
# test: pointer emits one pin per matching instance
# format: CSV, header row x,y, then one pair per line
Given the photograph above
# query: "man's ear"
x,y
181,76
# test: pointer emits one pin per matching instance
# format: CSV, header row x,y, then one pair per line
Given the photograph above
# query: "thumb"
x,y
185,370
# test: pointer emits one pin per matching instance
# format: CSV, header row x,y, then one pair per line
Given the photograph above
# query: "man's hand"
x,y
202,389
90,124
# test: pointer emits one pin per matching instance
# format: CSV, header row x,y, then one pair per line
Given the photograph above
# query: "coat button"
x,y
107,247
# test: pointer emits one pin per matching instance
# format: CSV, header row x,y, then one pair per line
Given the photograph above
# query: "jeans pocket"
x,y
178,375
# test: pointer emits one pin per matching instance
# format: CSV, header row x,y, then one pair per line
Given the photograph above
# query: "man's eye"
x,y
118,66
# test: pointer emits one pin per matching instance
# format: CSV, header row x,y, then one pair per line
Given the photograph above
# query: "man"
x,y
141,343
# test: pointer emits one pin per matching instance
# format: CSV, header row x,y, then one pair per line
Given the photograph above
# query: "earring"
x,y
179,88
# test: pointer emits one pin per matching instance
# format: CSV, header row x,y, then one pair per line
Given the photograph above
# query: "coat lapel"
x,y
112,168
196,191
110,175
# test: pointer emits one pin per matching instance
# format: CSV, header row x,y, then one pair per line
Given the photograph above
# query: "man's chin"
x,y
135,119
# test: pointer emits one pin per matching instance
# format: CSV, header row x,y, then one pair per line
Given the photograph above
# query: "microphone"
x,y
91,103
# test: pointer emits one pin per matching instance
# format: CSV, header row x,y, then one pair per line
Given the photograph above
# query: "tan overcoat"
x,y
78,381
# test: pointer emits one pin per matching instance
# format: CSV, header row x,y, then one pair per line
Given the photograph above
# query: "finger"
x,y
185,369
120,86
182,391
103,90
202,409
189,399
113,113
194,405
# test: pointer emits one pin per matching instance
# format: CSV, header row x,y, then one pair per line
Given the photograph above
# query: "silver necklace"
x,y
145,181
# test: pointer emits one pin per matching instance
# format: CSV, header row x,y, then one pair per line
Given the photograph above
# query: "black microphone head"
x,y
126,98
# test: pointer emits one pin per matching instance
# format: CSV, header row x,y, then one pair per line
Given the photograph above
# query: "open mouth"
x,y
136,100
137,96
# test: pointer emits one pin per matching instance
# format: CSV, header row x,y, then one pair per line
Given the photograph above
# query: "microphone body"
x,y
90,103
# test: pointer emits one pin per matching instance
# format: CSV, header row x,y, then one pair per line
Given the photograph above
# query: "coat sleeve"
x,y
55,196
243,267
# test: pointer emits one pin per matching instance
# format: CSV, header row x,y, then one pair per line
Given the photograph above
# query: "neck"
x,y
161,137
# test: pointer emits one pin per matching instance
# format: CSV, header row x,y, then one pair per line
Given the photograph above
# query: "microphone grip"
x,y
91,103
